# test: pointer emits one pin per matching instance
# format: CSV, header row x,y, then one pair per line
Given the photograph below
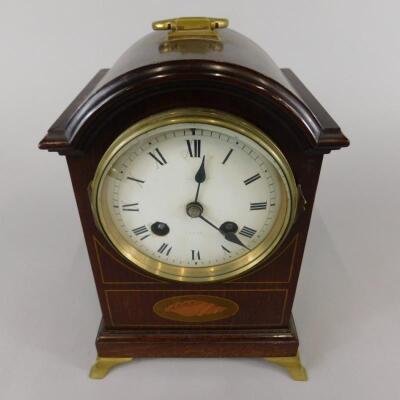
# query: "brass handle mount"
x,y
191,27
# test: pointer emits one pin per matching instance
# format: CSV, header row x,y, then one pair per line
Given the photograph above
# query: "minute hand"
x,y
230,236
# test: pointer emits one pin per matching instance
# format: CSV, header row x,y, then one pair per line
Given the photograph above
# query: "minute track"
x,y
212,186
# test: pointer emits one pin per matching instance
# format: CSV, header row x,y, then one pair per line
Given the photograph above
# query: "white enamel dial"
x,y
192,195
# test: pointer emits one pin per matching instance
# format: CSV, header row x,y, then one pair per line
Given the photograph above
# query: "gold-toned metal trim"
x,y
103,365
191,27
224,271
293,366
98,245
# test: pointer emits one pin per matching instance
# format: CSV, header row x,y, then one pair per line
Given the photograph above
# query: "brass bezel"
x,y
198,274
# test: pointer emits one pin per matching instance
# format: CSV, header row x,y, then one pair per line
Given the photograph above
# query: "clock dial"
x,y
192,196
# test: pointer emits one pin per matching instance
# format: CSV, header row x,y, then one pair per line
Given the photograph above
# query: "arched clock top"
x,y
185,57
231,48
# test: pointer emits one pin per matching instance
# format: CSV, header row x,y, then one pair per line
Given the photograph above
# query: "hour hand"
x,y
200,176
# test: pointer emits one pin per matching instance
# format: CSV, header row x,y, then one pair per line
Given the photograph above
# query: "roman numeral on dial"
x,y
225,249
248,232
195,255
164,247
194,147
227,156
252,179
158,157
141,230
258,206
134,179
130,207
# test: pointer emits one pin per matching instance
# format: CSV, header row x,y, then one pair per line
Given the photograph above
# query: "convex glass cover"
x,y
194,195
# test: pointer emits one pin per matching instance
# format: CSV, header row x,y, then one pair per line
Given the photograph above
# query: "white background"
x,y
347,305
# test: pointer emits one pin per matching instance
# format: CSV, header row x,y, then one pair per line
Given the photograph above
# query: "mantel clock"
x,y
195,161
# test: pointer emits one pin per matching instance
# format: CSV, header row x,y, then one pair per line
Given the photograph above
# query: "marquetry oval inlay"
x,y
195,308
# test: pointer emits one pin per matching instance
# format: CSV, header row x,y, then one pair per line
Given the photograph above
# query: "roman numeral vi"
x,y
195,255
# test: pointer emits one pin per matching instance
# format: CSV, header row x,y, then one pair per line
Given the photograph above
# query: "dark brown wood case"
x,y
237,77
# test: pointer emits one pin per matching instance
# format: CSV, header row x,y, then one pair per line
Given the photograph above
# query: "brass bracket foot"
x,y
103,365
293,366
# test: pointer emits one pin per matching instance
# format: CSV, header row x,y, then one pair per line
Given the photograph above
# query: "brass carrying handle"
x,y
191,27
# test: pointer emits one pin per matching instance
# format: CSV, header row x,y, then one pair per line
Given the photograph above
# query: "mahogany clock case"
x,y
239,79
